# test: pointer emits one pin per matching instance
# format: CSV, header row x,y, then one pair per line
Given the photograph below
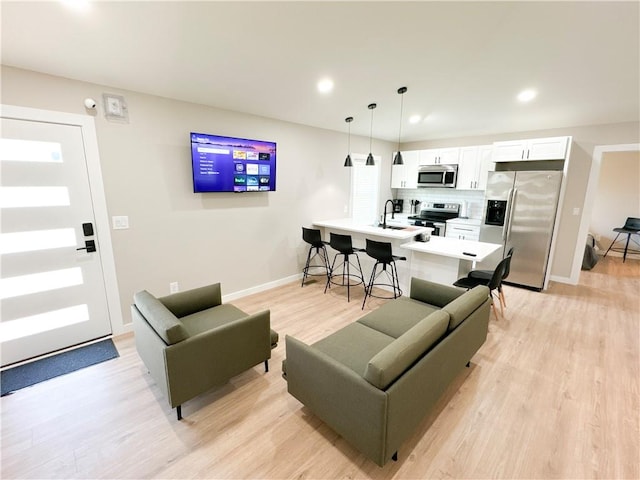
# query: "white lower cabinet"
x,y
463,229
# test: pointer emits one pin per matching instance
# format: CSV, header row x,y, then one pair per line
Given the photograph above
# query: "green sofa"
x,y
374,380
191,342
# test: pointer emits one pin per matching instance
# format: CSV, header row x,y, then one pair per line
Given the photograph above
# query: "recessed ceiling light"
x,y
527,95
414,118
80,6
325,85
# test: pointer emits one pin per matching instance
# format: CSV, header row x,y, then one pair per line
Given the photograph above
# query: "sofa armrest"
x,y
433,293
185,303
212,357
341,398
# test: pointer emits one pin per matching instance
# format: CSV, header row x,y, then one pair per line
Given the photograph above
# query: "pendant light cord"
x,y
400,129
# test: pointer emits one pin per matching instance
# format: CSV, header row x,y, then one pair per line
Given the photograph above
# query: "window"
x,y
365,185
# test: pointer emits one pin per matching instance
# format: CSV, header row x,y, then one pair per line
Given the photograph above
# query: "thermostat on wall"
x,y
115,108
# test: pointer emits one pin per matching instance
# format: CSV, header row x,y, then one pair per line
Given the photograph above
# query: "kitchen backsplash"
x,y
474,199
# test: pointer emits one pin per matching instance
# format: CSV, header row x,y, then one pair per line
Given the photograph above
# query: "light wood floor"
x,y
553,393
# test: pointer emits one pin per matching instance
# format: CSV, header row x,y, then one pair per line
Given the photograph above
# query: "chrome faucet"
x,y
384,215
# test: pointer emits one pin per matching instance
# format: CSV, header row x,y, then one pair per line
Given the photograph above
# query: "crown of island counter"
x,y
442,260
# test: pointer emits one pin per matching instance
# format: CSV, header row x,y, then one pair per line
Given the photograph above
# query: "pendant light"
x,y
398,158
370,161
347,161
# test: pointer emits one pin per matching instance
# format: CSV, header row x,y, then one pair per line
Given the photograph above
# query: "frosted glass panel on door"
x,y
14,150
27,326
37,240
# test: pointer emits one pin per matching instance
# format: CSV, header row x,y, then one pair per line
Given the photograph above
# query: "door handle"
x,y
89,246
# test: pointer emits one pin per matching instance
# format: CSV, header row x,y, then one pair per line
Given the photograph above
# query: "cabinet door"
x,y
554,148
428,157
467,169
510,151
406,175
485,165
397,175
449,155
411,168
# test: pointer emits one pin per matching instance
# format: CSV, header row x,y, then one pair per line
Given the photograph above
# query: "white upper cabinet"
x,y
552,148
473,167
438,156
405,176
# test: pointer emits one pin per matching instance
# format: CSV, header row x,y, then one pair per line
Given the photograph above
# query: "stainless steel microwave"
x,y
437,176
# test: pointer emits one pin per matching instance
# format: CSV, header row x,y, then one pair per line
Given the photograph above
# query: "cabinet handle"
x,y
522,156
527,154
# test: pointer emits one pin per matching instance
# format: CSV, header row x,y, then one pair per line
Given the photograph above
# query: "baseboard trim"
x,y
260,288
568,280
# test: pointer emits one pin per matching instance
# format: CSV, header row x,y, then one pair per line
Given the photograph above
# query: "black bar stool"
x,y
383,255
631,227
342,243
314,238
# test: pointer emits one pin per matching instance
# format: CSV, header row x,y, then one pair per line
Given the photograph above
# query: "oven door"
x,y
438,228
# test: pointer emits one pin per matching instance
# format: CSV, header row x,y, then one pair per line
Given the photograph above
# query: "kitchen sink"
x,y
393,227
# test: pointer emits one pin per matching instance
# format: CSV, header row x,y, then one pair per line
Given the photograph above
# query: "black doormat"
x,y
38,371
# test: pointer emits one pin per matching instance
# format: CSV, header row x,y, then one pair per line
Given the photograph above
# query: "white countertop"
x,y
349,224
453,247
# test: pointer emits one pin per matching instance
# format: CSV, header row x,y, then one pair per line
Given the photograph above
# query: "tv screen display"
x,y
229,164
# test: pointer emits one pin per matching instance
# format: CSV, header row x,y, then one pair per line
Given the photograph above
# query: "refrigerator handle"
x,y
511,209
507,219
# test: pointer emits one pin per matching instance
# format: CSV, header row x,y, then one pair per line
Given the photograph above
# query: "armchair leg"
x,y
266,366
179,411
395,457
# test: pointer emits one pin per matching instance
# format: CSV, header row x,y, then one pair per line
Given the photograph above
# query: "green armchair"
x,y
191,342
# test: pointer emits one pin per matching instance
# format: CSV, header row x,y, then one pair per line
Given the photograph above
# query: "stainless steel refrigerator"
x,y
520,212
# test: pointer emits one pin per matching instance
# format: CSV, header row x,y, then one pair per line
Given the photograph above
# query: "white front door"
x,y
52,293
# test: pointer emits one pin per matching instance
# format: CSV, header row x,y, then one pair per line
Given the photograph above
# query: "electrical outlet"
x,y
173,287
346,209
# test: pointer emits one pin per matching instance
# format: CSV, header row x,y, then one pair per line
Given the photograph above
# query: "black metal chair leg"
x,y
266,366
614,241
179,411
626,246
333,264
367,288
306,267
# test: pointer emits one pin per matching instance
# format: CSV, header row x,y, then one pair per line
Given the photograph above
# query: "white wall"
x,y
617,196
242,240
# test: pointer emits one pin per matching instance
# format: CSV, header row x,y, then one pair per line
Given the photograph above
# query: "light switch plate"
x,y
120,222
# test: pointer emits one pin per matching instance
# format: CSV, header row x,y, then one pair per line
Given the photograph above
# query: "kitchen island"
x,y
395,234
445,260
442,260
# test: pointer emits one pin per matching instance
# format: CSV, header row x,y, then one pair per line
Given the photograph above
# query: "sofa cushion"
x,y
465,305
185,303
391,362
211,318
165,323
354,345
396,317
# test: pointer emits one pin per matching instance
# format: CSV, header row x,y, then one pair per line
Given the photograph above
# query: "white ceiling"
x,y
463,63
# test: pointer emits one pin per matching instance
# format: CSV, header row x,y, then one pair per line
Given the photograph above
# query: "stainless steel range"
x,y
435,215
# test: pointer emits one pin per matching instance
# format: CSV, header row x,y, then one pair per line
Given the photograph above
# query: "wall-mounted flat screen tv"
x,y
229,164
